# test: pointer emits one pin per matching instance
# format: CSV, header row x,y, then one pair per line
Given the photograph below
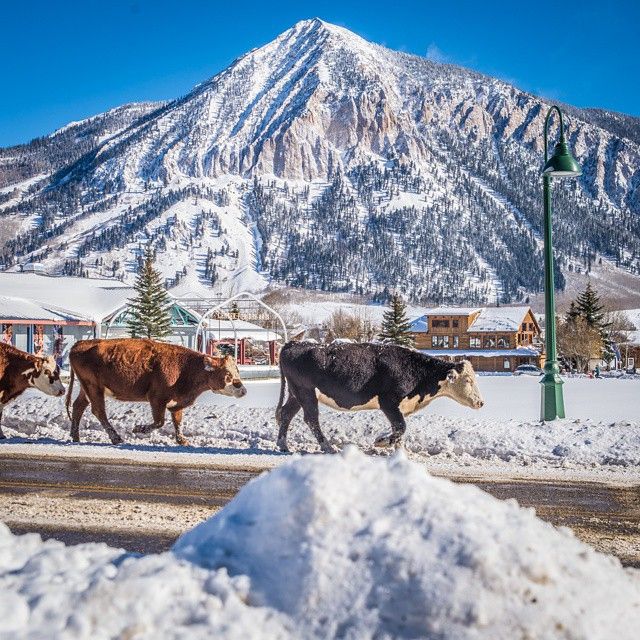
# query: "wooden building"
x,y
492,338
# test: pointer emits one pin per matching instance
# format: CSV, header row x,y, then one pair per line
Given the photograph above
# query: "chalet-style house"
x,y
492,338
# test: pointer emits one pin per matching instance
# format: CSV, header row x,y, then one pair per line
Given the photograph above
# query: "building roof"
x,y
15,308
489,319
483,353
633,337
452,311
499,319
420,325
224,330
83,298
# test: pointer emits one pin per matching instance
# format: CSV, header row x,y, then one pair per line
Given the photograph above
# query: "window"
x,y
474,343
503,342
454,324
489,342
455,341
440,342
7,334
506,364
440,324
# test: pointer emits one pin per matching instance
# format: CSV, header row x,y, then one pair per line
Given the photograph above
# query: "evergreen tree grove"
x,y
395,324
150,310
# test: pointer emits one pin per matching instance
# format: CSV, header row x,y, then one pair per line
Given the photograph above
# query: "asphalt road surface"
x,y
144,507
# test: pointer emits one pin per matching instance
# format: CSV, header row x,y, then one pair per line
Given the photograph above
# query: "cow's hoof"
x,y
183,442
282,446
383,442
328,448
116,439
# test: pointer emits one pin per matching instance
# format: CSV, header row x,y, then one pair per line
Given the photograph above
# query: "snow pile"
x,y
330,546
499,434
92,591
350,546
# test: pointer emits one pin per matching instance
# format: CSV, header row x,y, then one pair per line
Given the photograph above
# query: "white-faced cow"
x,y
168,376
20,370
354,377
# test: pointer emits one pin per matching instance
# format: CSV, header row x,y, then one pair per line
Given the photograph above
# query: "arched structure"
x,y
204,319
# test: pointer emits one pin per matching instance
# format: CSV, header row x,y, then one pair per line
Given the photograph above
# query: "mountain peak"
x,y
318,31
400,173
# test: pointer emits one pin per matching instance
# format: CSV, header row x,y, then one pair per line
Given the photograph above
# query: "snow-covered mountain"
x,y
323,161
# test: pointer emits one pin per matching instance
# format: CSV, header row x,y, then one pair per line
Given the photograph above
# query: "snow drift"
x,y
331,546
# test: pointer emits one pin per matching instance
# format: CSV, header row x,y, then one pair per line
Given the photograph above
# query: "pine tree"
x,y
395,324
589,307
150,310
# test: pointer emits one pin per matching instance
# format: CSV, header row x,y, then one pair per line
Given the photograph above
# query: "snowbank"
x,y
92,591
444,433
331,546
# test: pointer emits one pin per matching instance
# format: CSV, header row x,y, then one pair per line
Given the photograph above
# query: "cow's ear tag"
x,y
452,376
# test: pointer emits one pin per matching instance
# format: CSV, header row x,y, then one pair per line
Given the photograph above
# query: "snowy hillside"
x,y
323,161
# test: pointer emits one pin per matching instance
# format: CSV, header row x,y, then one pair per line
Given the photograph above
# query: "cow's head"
x,y
461,385
45,376
224,377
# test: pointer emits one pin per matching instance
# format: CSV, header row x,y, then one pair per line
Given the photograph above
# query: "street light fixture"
x,y
561,165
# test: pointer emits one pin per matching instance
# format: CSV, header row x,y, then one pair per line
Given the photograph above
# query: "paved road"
x,y
607,517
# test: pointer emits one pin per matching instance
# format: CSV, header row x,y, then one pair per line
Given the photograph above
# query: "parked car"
x,y
527,370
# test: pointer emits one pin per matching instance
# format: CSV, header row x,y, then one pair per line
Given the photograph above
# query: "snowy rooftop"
x,y
634,317
22,309
452,311
420,325
499,319
86,298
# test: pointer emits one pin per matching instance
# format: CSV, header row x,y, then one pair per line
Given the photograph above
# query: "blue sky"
x,y
65,61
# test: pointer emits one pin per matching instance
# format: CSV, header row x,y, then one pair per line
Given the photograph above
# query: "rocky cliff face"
x,y
431,168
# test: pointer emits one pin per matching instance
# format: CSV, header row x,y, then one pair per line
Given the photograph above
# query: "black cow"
x,y
354,377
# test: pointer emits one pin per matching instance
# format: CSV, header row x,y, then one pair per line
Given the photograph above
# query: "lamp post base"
x,y
552,400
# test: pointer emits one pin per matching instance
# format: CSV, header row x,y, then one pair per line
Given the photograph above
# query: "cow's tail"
x,y
67,401
283,385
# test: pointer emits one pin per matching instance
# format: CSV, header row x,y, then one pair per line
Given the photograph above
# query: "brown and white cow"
x,y
355,377
20,371
168,376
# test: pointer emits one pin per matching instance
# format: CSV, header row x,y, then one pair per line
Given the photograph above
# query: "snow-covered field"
x,y
600,437
342,546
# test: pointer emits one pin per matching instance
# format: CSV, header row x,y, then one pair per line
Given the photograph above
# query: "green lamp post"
x,y
561,165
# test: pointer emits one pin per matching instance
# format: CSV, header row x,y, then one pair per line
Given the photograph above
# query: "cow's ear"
x,y
208,364
38,364
452,376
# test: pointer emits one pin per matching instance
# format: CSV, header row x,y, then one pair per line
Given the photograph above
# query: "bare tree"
x,y
578,342
342,324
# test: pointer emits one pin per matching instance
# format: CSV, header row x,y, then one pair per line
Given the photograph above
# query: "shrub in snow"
x,y
330,546
350,546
